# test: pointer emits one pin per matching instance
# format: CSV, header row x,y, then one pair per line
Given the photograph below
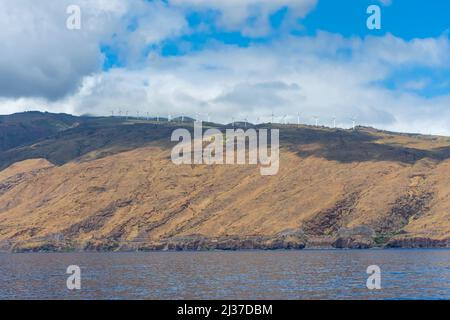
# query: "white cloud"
x,y
418,84
429,52
324,75
385,2
308,75
250,17
40,57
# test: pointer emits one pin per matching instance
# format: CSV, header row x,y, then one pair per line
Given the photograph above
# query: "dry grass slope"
x,y
335,188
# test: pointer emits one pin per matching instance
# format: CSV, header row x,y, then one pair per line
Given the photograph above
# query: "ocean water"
x,y
307,274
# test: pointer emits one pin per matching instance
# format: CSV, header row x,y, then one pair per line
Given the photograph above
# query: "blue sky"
x,y
248,57
406,19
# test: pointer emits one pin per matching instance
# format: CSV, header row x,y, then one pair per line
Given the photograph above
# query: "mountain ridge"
x,y
109,184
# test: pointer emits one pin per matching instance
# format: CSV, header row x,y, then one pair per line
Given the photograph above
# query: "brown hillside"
x,y
334,188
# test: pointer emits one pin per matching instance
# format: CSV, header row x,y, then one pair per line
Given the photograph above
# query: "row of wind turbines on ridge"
x,y
206,117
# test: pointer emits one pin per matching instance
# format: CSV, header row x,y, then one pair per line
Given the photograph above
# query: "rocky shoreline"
x,y
348,239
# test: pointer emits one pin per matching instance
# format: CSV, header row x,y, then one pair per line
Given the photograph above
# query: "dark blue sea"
x,y
307,274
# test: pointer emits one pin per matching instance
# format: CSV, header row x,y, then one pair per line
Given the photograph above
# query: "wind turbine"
x,y
246,120
317,120
298,119
272,117
232,121
334,122
353,122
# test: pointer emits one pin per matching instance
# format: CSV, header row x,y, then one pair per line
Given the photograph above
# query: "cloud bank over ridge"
x,y
117,61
